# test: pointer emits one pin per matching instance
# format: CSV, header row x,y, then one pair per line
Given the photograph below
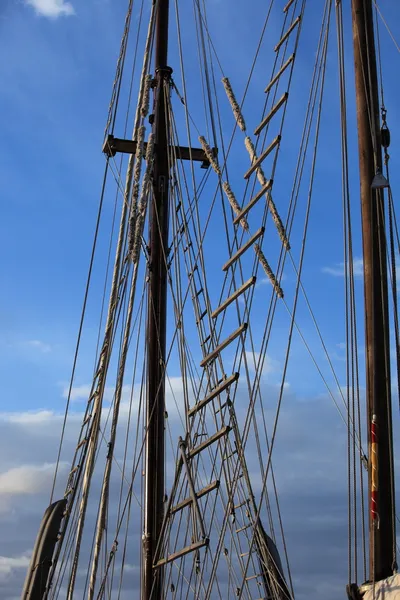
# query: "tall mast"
x,y
380,479
156,316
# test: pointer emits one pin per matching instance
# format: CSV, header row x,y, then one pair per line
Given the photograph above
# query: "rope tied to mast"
x,y
144,109
135,188
141,212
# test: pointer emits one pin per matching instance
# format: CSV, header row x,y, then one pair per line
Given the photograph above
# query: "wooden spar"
x,y
376,297
152,580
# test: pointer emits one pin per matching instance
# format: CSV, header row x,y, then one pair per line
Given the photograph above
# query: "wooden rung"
x,y
213,394
93,394
286,35
234,296
253,201
182,552
206,340
262,157
252,577
241,504
230,455
201,317
86,421
81,443
288,5
271,113
279,73
244,527
68,492
219,434
223,344
209,488
243,248
74,470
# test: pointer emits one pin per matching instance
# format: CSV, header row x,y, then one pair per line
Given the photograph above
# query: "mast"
x,y
156,316
380,477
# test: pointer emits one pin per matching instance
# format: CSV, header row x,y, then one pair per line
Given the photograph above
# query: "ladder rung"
x,y
223,344
253,201
288,5
279,73
244,528
263,156
205,490
234,296
213,394
201,290
201,317
69,491
206,340
243,248
86,421
253,577
241,504
181,552
81,443
219,434
271,113
74,470
286,35
95,393
230,455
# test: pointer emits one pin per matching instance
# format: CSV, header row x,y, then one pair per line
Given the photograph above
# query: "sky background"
x,y
57,68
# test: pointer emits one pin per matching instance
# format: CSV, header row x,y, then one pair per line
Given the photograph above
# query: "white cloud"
x,y
270,365
78,392
26,479
9,563
51,8
338,269
39,345
28,418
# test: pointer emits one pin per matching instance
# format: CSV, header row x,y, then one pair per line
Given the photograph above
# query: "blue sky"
x,y
57,70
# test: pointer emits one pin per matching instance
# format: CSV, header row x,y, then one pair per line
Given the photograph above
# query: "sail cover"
x,y
388,589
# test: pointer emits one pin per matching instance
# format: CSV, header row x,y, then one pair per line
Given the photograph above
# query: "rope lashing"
x,y
210,155
144,109
271,205
268,271
234,104
141,213
135,188
234,203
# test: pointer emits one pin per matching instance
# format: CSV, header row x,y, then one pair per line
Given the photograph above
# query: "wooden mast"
x,y
156,316
380,479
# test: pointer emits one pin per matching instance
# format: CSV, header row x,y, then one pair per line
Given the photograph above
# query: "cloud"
x,y
9,563
338,269
26,479
39,345
270,365
51,8
78,393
